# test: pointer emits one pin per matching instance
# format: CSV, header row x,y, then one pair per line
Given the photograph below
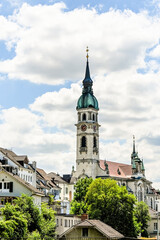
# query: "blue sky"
x,y
42,65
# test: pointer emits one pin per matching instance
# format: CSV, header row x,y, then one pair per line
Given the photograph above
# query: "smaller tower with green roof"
x,y
137,163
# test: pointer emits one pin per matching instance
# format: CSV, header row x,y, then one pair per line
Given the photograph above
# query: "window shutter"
x,y
11,187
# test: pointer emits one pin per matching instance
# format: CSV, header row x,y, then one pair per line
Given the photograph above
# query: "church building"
x,y
88,163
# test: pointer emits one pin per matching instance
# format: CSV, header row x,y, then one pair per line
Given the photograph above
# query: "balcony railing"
x,y
4,190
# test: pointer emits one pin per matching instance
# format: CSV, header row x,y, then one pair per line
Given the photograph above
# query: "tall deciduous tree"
x,y
78,204
113,205
141,213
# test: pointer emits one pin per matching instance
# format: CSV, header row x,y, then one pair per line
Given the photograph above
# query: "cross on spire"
x,y
87,50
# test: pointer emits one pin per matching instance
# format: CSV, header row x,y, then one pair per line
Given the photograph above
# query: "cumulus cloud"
x,y
48,42
46,39
23,131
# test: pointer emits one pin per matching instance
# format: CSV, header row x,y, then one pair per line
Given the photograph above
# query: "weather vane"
x,y
87,50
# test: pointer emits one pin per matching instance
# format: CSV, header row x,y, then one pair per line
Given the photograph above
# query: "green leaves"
x,y
14,223
141,213
78,204
23,220
111,204
103,199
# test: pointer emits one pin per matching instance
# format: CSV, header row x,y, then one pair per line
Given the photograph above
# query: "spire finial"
x,y
87,50
134,144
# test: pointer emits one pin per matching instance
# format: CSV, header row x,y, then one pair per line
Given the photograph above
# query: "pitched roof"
x,y
117,169
23,158
43,175
9,154
56,177
20,180
105,229
14,157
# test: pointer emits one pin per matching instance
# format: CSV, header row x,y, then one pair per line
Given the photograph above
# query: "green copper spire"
x,y
87,80
143,169
134,153
87,99
133,164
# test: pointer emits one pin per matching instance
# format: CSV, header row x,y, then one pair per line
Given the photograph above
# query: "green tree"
x,y
113,205
14,223
24,220
141,213
78,204
26,206
48,223
35,235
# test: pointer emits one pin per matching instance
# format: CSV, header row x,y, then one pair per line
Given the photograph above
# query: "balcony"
x,y
4,190
83,149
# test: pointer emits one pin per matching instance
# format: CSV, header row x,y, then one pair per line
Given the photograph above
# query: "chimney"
x,y
34,164
84,216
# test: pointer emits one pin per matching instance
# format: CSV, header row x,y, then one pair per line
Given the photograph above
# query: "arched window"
x,y
96,117
79,117
94,142
140,194
83,143
93,117
84,116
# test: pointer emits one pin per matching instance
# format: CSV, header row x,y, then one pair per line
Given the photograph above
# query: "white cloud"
x,y
155,52
49,43
22,131
47,37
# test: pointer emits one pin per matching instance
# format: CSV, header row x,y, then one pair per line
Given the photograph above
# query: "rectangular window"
x,y
5,185
0,185
65,223
61,222
84,232
11,187
155,226
57,222
69,223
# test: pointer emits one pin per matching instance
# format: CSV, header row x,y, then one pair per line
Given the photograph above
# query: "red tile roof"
x,y
125,170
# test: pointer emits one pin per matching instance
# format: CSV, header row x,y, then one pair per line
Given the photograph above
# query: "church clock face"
x,y
83,128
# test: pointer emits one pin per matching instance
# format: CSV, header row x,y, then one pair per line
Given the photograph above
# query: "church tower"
x,y
87,154
137,164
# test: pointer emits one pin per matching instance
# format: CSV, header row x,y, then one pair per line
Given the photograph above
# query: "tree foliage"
x,y
15,223
78,204
48,223
113,205
24,220
141,213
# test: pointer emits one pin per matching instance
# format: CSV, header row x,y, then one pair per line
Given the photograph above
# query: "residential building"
x,y
65,221
12,186
91,229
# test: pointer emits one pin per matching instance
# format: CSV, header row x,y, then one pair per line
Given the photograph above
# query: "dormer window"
x,y
118,171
